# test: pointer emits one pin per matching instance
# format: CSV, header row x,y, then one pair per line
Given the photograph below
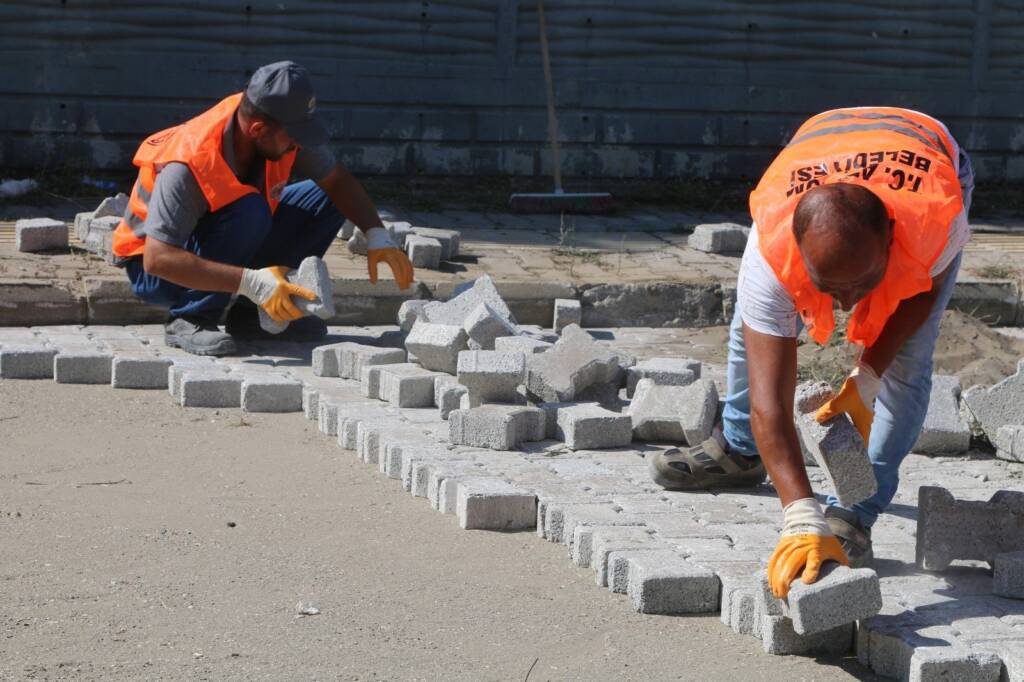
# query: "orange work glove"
x,y
856,398
380,247
806,543
270,289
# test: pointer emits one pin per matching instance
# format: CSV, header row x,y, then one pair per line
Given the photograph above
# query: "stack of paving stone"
x,y
427,247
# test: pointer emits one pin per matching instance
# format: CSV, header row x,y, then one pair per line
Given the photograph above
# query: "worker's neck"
x,y
244,147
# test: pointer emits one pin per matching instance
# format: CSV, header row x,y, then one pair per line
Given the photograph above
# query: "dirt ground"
x,y
145,541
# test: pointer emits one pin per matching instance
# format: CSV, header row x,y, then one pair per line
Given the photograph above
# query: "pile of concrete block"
x,y
836,446
491,376
950,530
945,430
313,275
575,365
996,406
725,238
32,235
426,247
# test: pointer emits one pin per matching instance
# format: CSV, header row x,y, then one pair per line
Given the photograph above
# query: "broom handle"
x,y
552,120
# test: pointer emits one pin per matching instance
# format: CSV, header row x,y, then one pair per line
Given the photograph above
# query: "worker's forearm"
x,y
901,325
779,447
351,199
186,269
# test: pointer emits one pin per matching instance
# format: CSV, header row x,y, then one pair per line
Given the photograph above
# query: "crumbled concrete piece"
x,y
719,238
498,427
409,312
437,346
521,344
449,240
210,388
26,361
423,252
567,311
945,431
591,427
40,234
140,371
575,364
455,310
271,393
483,326
841,595
357,243
672,586
663,372
448,395
491,376
353,357
313,275
780,639
82,367
1010,443
493,504
673,414
1008,575
836,445
998,405
406,385
114,206
949,529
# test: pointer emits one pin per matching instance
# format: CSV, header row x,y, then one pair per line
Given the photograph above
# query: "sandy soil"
x,y
145,541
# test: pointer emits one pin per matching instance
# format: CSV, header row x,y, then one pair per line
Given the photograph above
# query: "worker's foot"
x,y
707,465
853,536
244,323
197,336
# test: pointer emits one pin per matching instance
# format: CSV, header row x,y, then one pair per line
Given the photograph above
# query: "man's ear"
x,y
255,128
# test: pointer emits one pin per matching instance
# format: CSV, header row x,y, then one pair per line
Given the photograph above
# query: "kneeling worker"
x,y
865,208
212,214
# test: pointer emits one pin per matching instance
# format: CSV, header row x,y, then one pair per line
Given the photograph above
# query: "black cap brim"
x,y
309,133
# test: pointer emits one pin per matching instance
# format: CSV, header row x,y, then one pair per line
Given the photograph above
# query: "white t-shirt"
x,y
767,307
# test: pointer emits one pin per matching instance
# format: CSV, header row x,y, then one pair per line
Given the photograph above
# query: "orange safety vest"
x,y
197,143
907,159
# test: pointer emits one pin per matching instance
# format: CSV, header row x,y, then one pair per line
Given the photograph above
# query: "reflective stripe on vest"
x,y
903,157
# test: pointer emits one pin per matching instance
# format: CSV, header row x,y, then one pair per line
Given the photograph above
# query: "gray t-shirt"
x,y
177,203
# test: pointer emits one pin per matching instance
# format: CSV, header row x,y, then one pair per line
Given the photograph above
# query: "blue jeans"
x,y
899,410
245,233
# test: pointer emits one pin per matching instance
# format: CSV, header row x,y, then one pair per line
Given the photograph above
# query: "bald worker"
x,y
865,208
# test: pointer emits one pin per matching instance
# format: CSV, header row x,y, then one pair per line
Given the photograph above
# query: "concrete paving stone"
x,y
836,445
354,357
841,595
575,364
270,393
673,414
493,504
40,234
391,446
26,361
1008,576
448,394
999,405
719,238
484,325
607,539
945,431
949,529
210,388
549,498
443,482
467,298
780,639
409,312
399,231
423,252
406,385
491,376
183,364
1010,443
663,372
81,224
114,206
581,546
140,371
953,664
521,344
357,243
82,367
736,605
350,415
619,564
417,468
368,432
325,360
567,311
449,239
312,274
369,382
437,346
498,427
588,426
671,586
327,416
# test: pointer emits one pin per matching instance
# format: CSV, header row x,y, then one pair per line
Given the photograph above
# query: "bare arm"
x,y
351,199
771,367
186,269
901,325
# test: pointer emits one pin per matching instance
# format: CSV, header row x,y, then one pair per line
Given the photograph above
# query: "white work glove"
x,y
381,247
806,543
270,289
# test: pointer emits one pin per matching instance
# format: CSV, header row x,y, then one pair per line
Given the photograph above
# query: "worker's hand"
x,y
806,543
856,398
380,247
269,289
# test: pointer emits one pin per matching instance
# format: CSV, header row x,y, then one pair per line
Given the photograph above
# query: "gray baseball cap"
x,y
283,91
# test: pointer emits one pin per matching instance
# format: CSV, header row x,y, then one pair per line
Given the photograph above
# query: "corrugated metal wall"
x,y
646,88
